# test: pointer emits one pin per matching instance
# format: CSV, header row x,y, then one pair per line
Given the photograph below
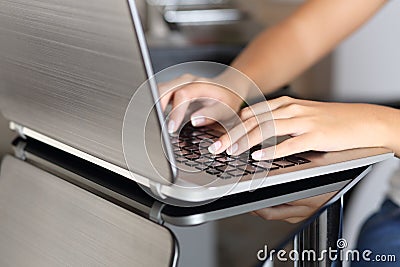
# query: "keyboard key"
x,y
182,144
181,159
297,160
237,173
246,161
191,163
211,156
206,136
213,171
179,153
251,169
225,176
262,164
225,159
284,164
204,160
201,167
216,164
274,167
255,148
196,141
196,133
174,140
176,145
243,156
236,163
204,151
191,147
205,143
185,151
226,168
192,156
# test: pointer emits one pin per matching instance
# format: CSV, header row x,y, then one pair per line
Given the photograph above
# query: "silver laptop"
x,y
68,71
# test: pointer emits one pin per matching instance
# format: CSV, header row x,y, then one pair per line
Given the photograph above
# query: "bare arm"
x,y
273,59
282,52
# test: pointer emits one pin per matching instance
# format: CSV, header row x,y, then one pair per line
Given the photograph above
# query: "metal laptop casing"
x,y
68,70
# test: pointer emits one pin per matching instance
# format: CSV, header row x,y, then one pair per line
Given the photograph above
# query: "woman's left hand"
x,y
312,125
295,211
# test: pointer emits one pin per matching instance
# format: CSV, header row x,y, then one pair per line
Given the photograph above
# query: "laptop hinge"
x,y
155,212
156,189
19,150
19,129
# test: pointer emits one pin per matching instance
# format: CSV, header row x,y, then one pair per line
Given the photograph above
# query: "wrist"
x,y
391,130
239,84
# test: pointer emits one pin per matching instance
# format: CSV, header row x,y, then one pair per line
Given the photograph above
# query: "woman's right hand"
x,y
312,125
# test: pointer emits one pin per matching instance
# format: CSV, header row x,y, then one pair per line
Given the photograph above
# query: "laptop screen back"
x,y
68,70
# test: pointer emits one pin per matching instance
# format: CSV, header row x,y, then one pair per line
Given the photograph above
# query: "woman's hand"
x,y
312,125
295,211
219,100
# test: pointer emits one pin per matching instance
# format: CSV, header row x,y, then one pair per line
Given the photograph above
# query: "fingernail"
x,y
232,149
214,147
257,155
171,127
197,120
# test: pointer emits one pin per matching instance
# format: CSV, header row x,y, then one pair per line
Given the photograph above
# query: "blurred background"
x,y
364,68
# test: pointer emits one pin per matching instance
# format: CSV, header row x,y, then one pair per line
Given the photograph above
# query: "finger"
x,y
217,112
281,101
181,101
165,99
315,201
290,111
295,220
166,89
288,147
267,106
171,85
283,212
259,128
293,126
233,135
267,129
179,106
254,110
263,132
291,220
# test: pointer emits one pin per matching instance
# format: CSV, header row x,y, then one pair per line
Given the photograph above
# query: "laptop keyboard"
x,y
191,149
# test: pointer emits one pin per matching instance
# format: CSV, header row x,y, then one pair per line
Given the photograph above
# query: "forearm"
x,y
282,52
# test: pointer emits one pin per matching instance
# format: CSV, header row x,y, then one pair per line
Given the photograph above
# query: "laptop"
x,y
125,192
68,72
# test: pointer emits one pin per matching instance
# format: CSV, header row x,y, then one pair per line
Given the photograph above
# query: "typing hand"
x,y
295,211
214,98
312,125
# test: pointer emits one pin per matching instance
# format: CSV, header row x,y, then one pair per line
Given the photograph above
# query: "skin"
x,y
298,210
273,59
310,124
